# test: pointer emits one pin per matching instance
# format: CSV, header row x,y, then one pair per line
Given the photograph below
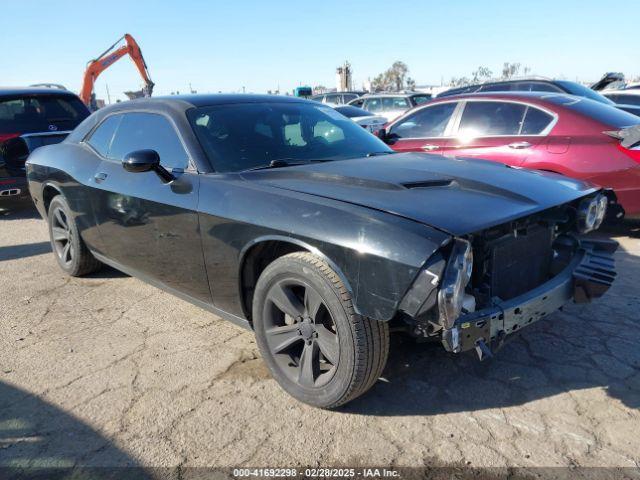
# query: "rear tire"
x,y
317,348
70,251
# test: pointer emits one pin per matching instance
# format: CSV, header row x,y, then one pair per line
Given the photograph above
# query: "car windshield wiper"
x,y
282,162
375,154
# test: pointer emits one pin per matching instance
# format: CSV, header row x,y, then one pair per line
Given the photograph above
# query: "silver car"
x,y
390,105
373,123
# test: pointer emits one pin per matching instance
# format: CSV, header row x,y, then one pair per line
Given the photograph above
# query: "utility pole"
x,y
108,95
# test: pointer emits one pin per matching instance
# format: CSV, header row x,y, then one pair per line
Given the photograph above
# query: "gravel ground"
x,y
109,371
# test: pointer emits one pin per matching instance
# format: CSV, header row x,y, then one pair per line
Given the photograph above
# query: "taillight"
x,y
634,152
8,136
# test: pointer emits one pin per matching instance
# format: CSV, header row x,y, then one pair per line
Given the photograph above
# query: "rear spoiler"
x,y
630,136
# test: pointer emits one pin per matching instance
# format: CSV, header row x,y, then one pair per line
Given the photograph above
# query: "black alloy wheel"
x,y
316,346
70,251
62,236
301,334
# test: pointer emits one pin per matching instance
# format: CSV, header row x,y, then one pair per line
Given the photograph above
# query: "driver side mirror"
x,y
384,135
145,161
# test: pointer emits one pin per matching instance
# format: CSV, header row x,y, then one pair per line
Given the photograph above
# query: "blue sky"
x,y
260,45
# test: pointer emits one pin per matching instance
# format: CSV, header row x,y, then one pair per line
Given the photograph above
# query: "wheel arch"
x,y
49,191
262,251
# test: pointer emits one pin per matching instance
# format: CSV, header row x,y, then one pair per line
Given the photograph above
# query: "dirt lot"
x,y
107,370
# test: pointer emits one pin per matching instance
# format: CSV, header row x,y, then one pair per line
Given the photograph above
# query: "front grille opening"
x,y
512,263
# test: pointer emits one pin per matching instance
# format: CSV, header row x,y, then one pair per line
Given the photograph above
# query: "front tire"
x,y
317,348
70,251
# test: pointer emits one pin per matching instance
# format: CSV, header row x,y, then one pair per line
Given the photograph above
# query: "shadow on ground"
x,y
17,210
38,440
585,346
13,252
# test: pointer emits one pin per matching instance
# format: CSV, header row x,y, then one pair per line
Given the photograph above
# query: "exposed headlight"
x,y
603,202
591,212
455,279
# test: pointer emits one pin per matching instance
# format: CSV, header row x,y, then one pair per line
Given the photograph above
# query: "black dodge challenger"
x,y
283,216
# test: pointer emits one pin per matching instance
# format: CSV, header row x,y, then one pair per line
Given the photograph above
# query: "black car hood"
x,y
456,195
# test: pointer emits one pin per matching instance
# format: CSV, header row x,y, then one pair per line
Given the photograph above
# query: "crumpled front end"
x,y
588,275
493,283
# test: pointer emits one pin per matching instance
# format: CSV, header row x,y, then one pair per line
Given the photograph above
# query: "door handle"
x,y
519,145
430,148
100,177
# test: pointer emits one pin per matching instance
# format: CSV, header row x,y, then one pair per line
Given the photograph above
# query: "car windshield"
x,y
581,91
241,136
41,113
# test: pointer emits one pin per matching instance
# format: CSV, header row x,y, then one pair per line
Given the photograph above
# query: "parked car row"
x,y
336,98
389,105
540,85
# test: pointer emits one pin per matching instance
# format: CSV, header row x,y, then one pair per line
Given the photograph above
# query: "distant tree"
x,y
393,78
510,70
459,82
411,83
379,82
481,74
320,89
398,74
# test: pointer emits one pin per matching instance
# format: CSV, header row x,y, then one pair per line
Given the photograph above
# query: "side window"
x,y
101,137
349,96
429,122
535,121
394,103
536,87
497,87
491,119
420,99
626,99
335,99
359,103
138,131
373,105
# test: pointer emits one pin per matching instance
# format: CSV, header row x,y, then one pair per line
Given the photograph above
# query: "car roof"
x,y
205,100
499,82
17,91
536,97
393,94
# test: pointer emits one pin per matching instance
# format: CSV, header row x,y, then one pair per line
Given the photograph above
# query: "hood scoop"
x,y
443,182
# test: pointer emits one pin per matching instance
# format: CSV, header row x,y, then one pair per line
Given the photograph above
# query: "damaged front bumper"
x,y
588,275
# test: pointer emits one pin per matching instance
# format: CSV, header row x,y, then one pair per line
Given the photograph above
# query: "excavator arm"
x,y
109,57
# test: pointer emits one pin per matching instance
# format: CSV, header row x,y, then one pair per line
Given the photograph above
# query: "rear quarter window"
x,y
102,136
41,113
535,121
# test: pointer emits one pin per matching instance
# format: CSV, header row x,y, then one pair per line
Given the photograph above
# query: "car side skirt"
x,y
239,321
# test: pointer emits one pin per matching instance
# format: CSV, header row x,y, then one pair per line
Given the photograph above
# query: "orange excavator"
x,y
98,65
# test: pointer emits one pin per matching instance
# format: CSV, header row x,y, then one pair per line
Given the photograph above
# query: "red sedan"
x,y
560,133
